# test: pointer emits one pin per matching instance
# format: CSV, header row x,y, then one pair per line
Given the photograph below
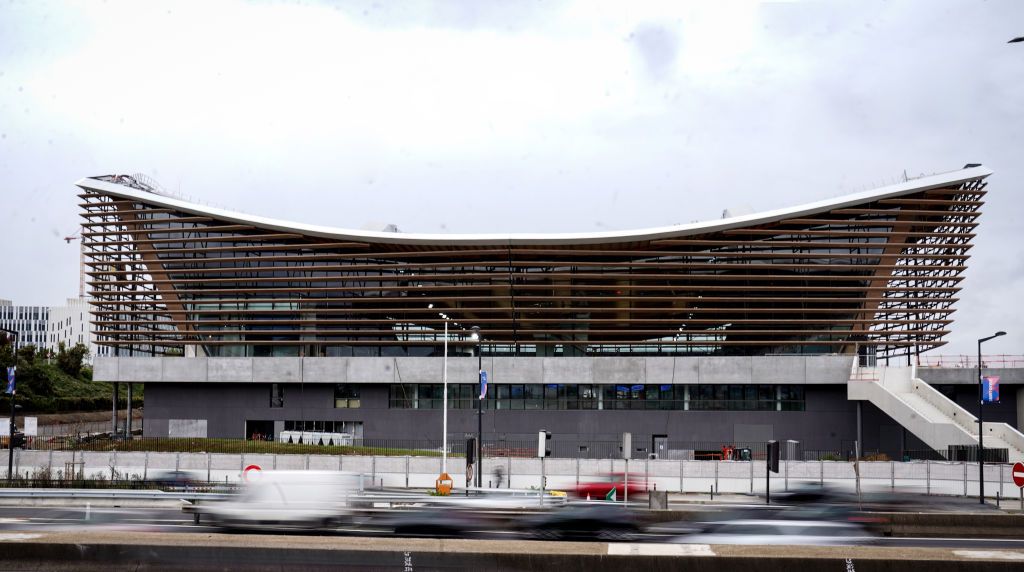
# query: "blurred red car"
x,y
599,487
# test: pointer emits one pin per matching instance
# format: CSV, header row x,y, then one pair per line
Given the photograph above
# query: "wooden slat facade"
x,y
882,276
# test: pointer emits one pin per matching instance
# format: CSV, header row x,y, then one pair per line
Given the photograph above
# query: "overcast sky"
x,y
509,116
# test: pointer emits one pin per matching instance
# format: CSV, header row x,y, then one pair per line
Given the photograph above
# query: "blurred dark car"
x,y
175,480
583,522
434,522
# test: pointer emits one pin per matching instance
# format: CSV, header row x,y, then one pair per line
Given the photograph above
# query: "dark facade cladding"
x,y
827,423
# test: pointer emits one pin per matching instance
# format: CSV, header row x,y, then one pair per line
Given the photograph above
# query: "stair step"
x,y
925,409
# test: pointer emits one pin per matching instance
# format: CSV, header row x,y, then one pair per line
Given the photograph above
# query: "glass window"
x,y
403,396
466,395
517,401
430,396
551,396
568,396
588,397
346,396
534,396
277,395
791,397
504,402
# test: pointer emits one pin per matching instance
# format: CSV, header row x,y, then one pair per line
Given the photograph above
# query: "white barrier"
x,y
926,477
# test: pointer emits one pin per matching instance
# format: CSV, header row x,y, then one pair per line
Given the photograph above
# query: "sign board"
x,y
990,389
1018,474
31,427
627,445
252,473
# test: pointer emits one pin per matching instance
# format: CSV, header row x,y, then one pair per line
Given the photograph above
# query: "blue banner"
x,y
483,384
990,389
10,379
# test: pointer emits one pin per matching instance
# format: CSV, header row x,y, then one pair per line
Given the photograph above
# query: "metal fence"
x,y
493,446
131,469
498,446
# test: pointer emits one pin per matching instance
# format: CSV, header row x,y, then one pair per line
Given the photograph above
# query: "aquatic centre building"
x,y
772,325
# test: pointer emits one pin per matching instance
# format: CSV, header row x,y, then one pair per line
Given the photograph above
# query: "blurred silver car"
x,y
803,532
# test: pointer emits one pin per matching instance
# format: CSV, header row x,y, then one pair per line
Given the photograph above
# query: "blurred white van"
x,y
287,499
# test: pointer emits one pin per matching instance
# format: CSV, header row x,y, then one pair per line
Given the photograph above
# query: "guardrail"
x,y
493,498
121,494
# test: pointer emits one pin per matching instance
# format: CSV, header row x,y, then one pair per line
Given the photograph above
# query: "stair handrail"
x,y
961,417
1015,440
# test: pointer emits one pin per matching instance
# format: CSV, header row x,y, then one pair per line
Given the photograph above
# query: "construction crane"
x,y
77,235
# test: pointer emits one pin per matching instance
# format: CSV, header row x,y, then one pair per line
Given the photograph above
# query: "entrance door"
x,y
259,430
659,444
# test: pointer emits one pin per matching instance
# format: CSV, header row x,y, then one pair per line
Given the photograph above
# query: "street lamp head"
x,y
995,335
475,336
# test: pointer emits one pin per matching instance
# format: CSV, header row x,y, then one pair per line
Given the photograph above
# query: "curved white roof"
x,y
924,183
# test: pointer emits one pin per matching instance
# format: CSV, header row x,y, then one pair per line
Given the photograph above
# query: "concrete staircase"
x,y
927,413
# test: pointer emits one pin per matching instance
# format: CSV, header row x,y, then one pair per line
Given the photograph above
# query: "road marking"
x,y
7,537
626,549
990,554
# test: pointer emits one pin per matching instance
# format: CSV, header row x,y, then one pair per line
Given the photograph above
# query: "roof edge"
x,y
675,231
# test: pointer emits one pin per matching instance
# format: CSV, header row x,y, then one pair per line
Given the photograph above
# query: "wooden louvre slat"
x,y
157,283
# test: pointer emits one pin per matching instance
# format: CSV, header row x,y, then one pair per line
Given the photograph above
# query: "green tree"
x,y
70,360
27,354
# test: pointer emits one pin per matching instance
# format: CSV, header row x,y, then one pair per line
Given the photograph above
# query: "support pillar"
x,y
128,415
113,411
860,426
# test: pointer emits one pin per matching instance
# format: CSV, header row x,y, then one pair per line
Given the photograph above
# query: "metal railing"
x,y
969,361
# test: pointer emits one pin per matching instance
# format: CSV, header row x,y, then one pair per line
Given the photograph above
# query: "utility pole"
x,y
12,392
481,379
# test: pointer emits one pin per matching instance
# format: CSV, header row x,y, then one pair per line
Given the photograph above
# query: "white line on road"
x,y
625,549
15,537
990,554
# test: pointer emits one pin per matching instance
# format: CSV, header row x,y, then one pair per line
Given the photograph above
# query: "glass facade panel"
x,y
346,396
276,395
702,397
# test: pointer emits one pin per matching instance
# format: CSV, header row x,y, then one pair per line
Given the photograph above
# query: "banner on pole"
x,y
483,384
990,389
10,379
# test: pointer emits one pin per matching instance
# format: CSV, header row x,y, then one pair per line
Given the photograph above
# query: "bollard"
x,y
712,488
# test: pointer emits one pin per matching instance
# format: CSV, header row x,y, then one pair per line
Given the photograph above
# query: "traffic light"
x,y
543,436
18,440
471,451
773,456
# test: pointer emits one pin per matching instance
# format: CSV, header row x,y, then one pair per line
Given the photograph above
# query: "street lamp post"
x,y
444,377
10,433
981,421
479,409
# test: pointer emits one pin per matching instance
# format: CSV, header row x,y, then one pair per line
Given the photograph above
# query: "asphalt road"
x,y
92,520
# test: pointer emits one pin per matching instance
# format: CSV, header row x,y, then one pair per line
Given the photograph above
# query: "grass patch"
x,y
235,446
